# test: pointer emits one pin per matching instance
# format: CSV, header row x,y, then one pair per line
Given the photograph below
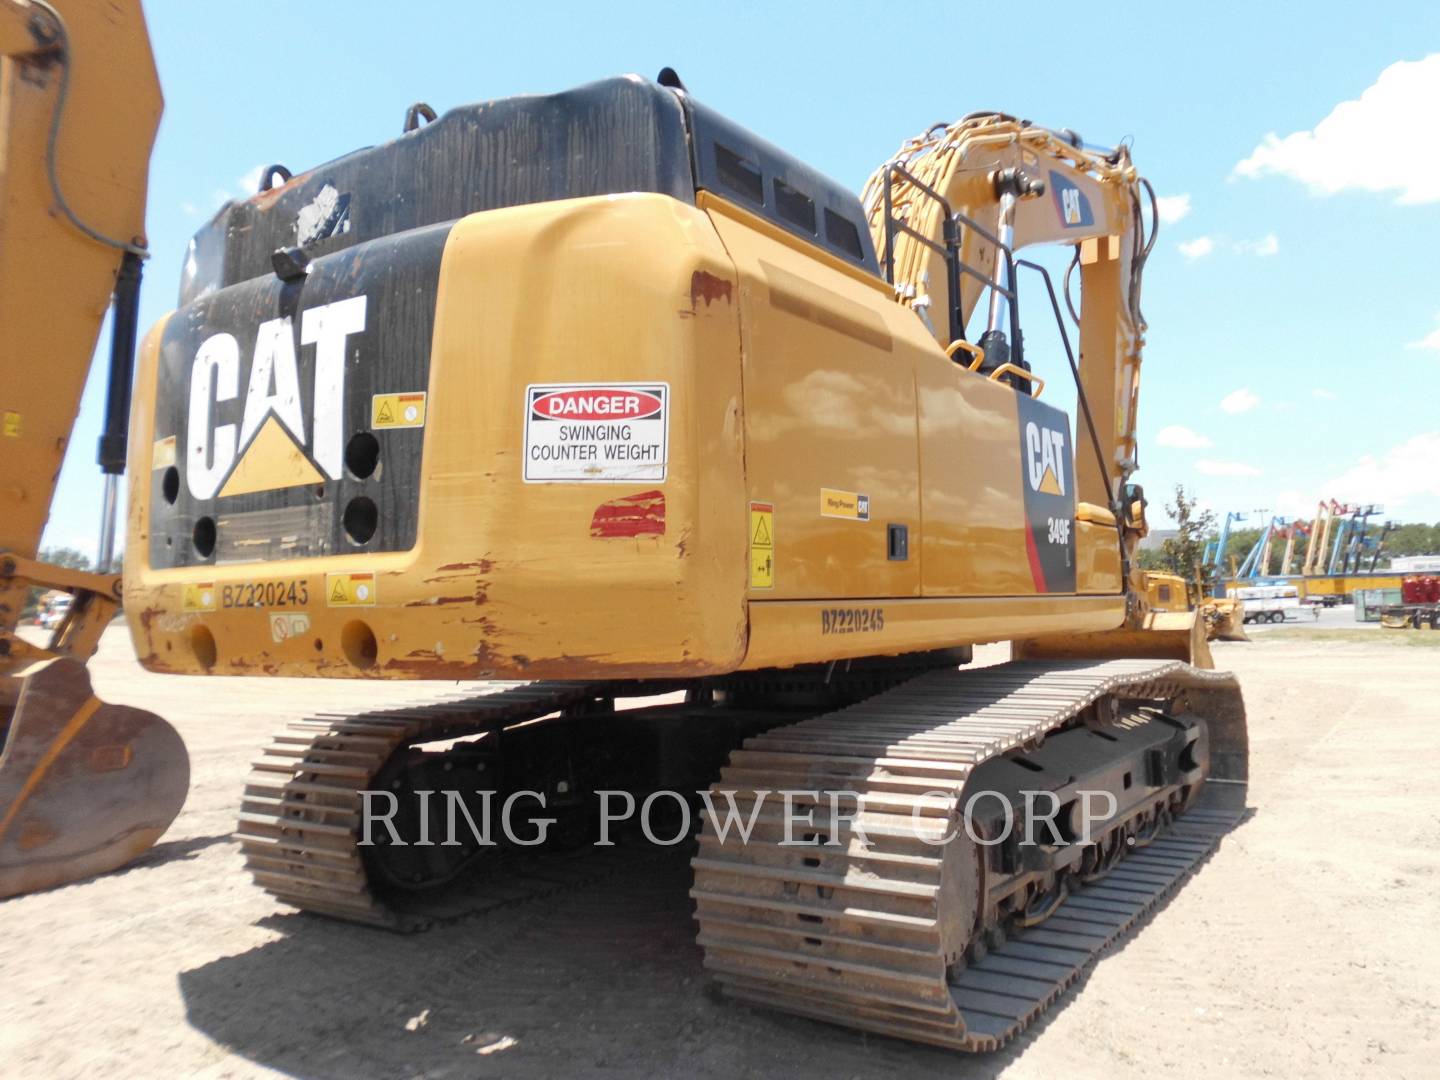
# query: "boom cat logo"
x,y
274,445
1072,203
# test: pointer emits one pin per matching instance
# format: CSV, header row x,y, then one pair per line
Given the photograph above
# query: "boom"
x,y
84,786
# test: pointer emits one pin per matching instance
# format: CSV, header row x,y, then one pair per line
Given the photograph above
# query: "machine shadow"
x,y
604,980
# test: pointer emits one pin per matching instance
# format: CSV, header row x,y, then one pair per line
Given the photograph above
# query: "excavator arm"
x,y
84,786
950,214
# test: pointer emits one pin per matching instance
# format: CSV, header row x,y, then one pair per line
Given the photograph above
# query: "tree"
x,y
67,557
1182,553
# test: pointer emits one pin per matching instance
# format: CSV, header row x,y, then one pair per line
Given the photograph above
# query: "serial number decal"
x,y
852,620
265,594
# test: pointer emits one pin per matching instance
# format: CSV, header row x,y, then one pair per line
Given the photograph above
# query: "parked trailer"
x,y
1419,606
1269,603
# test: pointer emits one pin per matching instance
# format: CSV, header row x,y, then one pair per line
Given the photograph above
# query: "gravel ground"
x,y
1306,946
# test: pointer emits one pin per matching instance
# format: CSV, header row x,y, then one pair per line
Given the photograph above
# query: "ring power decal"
x,y
762,545
844,504
1048,482
609,433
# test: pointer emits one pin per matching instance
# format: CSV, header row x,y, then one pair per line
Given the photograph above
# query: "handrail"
x,y
1036,382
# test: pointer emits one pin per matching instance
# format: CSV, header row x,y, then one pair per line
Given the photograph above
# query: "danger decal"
x,y
1048,482
596,432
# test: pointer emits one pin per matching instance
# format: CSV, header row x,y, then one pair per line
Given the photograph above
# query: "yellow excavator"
x,y
598,396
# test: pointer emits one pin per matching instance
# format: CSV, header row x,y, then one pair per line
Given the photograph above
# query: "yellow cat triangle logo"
x,y
271,461
1049,485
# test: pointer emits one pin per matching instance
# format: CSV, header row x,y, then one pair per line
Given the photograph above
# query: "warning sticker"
x,y
10,422
762,545
200,597
286,625
397,410
350,590
844,504
607,433
162,454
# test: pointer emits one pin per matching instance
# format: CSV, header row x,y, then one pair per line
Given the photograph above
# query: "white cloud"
x,y
1211,467
1429,341
1323,394
1239,401
1405,471
249,183
1338,154
189,209
1266,245
1181,437
1197,248
1293,504
1172,208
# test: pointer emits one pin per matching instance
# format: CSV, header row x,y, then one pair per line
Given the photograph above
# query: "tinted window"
x,y
739,175
843,234
795,207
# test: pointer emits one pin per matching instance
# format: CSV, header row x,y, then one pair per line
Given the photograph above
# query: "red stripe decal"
x,y
1033,554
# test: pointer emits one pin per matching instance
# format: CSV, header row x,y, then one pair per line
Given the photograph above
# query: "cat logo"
x,y
268,449
1045,459
1070,200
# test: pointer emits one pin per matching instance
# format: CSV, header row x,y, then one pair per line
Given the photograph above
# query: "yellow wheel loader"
x,y
597,396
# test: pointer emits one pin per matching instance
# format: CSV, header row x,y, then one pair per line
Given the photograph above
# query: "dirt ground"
x,y
1307,946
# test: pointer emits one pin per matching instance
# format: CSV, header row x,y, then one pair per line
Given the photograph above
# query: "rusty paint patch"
x,y
708,287
435,601
634,515
482,565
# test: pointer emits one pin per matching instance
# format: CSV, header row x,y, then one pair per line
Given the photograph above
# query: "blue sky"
x,y
1294,307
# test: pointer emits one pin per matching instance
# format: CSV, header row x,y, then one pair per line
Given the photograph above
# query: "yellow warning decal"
x,y
844,504
762,545
11,424
397,410
201,596
350,590
162,454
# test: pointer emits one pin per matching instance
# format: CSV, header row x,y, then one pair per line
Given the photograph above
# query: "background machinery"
x,y
596,395
1222,617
